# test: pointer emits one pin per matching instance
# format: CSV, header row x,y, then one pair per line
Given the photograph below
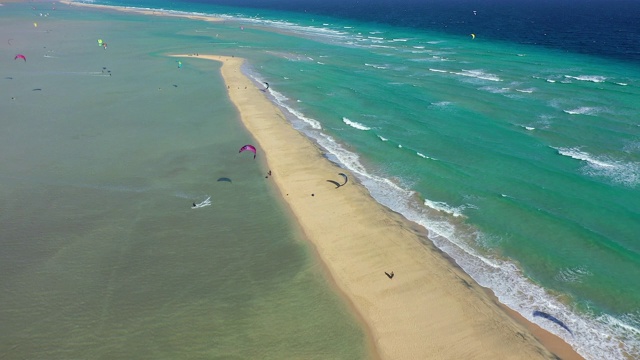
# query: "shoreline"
x,y
142,11
430,298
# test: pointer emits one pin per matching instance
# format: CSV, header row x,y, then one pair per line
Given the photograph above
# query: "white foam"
x,y
281,100
383,138
584,110
442,206
529,128
478,74
355,125
376,66
592,78
575,153
495,90
626,173
311,122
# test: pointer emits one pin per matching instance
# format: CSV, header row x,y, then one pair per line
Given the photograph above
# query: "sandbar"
x,y
430,309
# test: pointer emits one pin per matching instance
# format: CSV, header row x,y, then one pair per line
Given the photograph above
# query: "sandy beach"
x,y
143,11
430,308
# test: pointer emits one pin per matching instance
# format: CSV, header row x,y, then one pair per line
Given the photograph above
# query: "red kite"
x,y
250,148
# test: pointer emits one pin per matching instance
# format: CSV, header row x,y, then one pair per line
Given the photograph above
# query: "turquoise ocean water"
x,y
102,153
522,161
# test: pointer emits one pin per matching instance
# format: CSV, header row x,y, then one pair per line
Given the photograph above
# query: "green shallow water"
x,y
102,255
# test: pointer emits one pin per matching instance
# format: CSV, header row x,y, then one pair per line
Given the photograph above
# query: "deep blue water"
x,y
604,28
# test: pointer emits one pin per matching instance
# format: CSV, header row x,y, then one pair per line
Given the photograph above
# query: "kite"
x,y
265,89
250,148
473,36
99,42
20,56
550,317
224,179
345,178
179,64
337,184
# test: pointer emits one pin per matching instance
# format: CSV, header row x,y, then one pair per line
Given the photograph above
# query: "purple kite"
x,y
250,148
20,56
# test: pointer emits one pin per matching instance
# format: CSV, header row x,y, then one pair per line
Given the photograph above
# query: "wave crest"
x,y
355,125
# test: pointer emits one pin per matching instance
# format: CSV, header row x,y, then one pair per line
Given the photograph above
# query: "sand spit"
x,y
430,309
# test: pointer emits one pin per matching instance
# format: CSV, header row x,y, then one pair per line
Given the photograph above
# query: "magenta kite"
x,y
249,148
20,56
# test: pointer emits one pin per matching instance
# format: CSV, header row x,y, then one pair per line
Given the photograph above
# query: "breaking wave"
x,y
626,173
355,125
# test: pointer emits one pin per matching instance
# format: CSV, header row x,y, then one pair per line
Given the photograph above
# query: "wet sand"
x,y
430,308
